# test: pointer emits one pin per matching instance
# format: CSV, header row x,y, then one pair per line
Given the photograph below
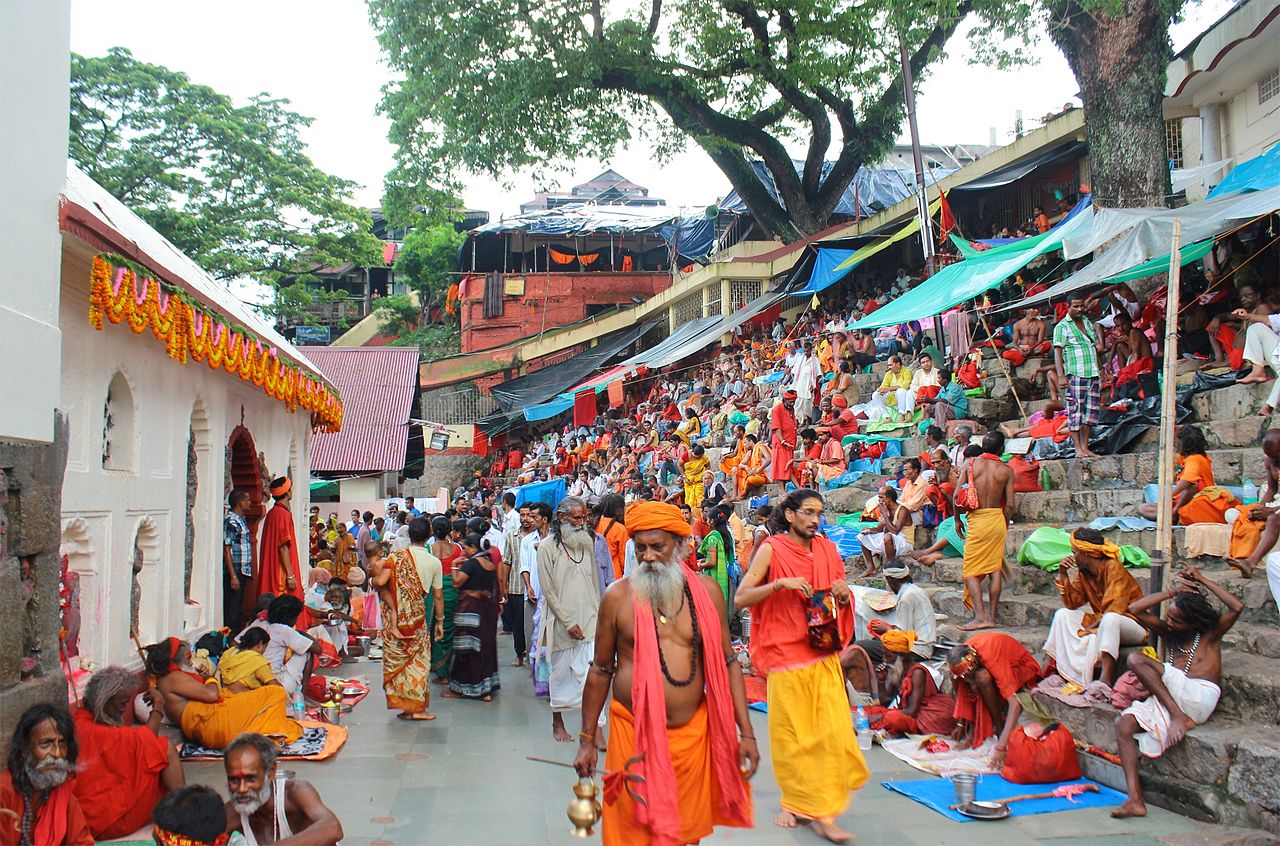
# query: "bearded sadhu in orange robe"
x,y
278,570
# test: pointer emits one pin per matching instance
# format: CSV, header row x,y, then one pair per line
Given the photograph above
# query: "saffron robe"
x,y
118,775
60,820
1012,668
278,530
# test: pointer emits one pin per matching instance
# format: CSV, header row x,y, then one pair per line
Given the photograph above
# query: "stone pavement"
x,y
463,779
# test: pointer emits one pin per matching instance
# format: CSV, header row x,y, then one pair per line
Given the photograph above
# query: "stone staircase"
x,y
1226,771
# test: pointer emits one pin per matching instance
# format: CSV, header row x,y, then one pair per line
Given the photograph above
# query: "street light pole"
x,y
922,199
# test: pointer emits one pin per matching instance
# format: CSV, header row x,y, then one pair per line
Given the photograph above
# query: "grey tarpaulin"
x,y
542,385
872,190
1021,168
709,332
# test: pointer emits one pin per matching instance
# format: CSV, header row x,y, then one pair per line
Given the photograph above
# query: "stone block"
x,y
1255,774
991,411
1233,402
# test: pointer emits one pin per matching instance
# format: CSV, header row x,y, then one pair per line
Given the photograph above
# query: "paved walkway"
x,y
464,779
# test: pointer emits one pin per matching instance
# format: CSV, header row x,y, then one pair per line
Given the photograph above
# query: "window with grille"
x,y
713,299
453,406
690,308
1269,86
743,291
1173,141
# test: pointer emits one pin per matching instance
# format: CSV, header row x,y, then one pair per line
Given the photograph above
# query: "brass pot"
x,y
584,809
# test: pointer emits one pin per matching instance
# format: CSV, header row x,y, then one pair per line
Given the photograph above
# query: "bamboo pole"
x,y
1008,374
1168,392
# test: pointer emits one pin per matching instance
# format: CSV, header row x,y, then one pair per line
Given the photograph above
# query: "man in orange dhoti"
x,y
1254,533
784,439
124,769
989,670
689,738
750,472
278,554
802,614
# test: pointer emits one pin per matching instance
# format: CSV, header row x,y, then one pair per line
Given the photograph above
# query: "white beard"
x,y
659,583
47,774
576,541
254,801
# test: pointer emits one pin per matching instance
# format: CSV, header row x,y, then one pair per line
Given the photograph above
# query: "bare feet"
x,y
519,662
928,559
1131,808
1245,568
974,625
828,830
449,694
422,716
558,731
440,681
1255,377
1086,453
1178,728
785,819
1265,411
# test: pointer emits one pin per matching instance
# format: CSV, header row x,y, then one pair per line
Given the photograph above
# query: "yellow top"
x,y
244,666
901,380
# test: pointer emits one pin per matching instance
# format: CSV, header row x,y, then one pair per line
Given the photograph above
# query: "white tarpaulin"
x,y
1183,178
1145,233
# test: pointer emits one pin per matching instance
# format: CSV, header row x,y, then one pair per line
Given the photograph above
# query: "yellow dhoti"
x,y
983,545
215,724
815,752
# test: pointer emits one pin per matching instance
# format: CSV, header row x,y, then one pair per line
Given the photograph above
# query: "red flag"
x,y
584,408
479,442
947,221
615,393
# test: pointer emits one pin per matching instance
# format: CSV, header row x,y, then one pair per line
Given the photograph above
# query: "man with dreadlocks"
x,y
1185,688
571,588
124,768
37,805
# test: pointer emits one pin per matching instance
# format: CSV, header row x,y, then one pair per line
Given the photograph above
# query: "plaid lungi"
x,y
1084,398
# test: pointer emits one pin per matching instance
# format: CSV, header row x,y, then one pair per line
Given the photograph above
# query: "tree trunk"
x,y
1120,63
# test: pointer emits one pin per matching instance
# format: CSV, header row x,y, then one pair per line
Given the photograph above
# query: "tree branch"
x,y
655,15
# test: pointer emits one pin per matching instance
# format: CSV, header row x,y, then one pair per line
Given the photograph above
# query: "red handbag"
x,y
1040,760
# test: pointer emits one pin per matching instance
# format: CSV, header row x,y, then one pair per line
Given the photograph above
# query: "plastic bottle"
x,y
298,705
863,727
1250,492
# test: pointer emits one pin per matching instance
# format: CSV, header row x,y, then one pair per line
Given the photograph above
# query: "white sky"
x,y
322,55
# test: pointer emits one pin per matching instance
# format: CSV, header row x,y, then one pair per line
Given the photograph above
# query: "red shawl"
x,y
277,530
59,820
660,812
1012,668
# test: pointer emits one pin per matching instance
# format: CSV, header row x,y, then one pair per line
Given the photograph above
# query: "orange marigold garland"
x,y
191,333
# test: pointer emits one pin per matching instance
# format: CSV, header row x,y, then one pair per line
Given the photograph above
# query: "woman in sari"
x,y
448,552
718,550
403,582
474,674
693,468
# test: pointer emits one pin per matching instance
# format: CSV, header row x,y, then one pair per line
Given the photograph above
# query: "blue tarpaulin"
x,y
1254,175
550,492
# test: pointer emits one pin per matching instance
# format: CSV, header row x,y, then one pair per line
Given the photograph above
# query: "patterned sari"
x,y
406,663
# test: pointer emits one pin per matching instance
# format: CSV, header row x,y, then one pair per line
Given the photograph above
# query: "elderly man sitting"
x,y
989,670
1094,621
865,660
921,707
124,768
37,803
270,808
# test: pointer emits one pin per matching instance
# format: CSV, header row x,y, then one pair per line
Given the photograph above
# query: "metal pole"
x,y
922,200
1164,508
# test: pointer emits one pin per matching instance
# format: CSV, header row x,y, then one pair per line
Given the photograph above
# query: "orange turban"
x,y
281,486
643,516
839,401
898,640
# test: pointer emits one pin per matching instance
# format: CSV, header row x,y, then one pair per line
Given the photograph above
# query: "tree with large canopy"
x,y
496,86
231,186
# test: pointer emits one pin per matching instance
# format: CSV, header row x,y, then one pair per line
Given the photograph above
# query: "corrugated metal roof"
x,y
378,386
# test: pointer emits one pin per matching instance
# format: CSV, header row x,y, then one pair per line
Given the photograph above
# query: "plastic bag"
x,y
1026,474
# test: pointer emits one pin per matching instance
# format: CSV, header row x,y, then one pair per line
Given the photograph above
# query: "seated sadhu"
x,y
208,715
1094,621
689,736
922,708
268,806
1197,498
124,768
37,802
989,670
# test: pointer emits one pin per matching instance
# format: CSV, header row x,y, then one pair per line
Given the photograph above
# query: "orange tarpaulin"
x,y
583,259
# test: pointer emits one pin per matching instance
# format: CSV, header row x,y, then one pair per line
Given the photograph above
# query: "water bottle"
x,y
863,727
1250,492
298,705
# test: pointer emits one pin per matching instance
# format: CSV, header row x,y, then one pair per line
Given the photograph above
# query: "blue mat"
x,y
937,793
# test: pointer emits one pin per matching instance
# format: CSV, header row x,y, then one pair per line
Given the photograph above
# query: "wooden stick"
x,y
1164,507
1088,788
1022,412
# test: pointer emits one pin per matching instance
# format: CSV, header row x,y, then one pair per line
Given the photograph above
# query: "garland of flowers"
x,y
118,292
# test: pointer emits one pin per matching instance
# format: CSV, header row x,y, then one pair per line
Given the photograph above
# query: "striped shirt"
x,y
1079,345
235,536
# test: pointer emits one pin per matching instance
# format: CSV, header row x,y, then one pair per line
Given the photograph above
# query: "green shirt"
x,y
1079,348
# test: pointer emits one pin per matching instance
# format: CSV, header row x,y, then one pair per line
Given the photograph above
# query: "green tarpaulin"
x,y
1048,545
970,278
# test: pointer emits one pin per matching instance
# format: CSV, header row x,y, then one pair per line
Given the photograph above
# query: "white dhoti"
x,y
338,635
878,407
1075,654
1259,343
1272,560
875,543
569,675
1196,697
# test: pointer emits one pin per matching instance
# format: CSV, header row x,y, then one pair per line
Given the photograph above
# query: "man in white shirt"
x,y
806,383
510,514
294,670
539,525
